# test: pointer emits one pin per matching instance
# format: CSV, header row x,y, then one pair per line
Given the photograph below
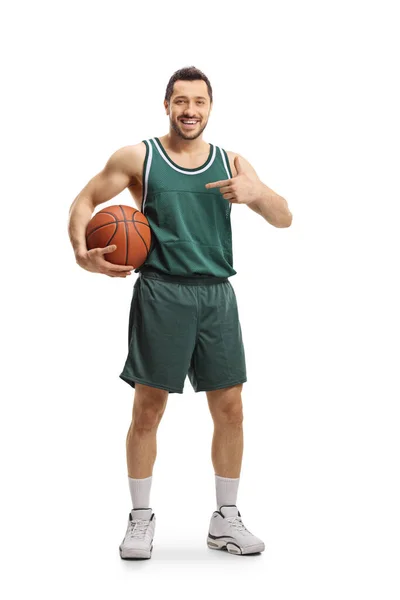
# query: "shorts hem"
x,y
219,387
129,380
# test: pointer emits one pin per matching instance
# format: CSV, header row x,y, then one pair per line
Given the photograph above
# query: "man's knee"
x,y
149,406
226,405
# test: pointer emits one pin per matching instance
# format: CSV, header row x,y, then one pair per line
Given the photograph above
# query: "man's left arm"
x,y
246,188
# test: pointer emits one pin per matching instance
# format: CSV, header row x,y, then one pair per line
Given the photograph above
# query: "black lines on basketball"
x,y
105,212
138,232
114,220
126,235
113,235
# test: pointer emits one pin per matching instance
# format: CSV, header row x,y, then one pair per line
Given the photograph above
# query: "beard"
x,y
189,135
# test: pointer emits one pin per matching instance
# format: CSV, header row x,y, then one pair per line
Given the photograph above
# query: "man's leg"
x,y
227,530
141,449
227,444
141,444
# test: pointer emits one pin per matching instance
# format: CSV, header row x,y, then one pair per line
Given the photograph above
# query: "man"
x,y
184,317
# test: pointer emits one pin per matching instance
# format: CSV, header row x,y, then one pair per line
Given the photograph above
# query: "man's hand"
x,y
241,189
94,261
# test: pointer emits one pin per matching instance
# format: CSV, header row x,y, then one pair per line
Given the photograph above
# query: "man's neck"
x,y
181,146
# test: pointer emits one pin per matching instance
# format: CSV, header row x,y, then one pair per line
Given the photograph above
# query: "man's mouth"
x,y
189,123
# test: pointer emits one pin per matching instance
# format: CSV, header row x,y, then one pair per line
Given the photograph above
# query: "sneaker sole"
x,y
232,548
135,554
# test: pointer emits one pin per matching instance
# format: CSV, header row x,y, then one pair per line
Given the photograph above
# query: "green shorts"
x,y
182,326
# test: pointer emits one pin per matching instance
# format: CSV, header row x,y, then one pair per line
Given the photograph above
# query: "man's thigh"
x,y
218,358
162,332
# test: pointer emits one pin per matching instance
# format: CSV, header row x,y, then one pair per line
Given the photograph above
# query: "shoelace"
x,y
137,528
237,523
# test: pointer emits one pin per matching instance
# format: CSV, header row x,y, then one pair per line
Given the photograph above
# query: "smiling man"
x,y
184,316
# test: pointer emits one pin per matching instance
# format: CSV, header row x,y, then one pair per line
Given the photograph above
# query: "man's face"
x,y
189,101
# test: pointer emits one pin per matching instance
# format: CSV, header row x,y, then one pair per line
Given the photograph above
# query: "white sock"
x,y
140,492
227,490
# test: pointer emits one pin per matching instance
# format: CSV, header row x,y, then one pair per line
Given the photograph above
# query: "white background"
x,y
308,93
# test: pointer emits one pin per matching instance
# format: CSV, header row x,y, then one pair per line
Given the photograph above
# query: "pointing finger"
x,y
218,183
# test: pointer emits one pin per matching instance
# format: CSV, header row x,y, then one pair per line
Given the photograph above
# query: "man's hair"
x,y
187,74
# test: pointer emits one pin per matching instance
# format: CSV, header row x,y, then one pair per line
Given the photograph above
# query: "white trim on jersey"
x,y
146,178
227,172
180,170
224,161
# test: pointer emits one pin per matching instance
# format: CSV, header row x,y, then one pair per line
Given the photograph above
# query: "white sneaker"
x,y
228,532
138,540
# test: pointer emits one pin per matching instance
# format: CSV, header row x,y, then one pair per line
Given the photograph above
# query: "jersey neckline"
x,y
179,166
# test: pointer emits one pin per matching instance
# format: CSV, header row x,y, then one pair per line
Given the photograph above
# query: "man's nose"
x,y
190,110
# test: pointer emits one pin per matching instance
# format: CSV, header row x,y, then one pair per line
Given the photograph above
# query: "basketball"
x,y
124,226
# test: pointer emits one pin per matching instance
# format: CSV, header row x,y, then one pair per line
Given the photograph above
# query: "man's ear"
x,y
166,106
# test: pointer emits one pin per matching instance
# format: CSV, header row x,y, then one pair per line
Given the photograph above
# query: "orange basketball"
x,y
124,226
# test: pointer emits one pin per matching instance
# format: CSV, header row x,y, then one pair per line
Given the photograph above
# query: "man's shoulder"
x,y
130,159
133,150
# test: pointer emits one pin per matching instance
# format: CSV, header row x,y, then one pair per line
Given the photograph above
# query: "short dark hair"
x,y
187,74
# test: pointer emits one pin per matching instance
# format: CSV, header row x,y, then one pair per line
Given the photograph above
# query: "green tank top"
x,y
191,225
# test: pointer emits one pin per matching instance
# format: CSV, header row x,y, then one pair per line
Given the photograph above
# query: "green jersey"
x,y
191,225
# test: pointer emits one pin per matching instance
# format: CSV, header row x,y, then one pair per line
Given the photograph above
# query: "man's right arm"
x,y
120,171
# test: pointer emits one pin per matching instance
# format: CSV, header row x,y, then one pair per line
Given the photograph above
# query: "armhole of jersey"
x,y
144,179
228,167
227,163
